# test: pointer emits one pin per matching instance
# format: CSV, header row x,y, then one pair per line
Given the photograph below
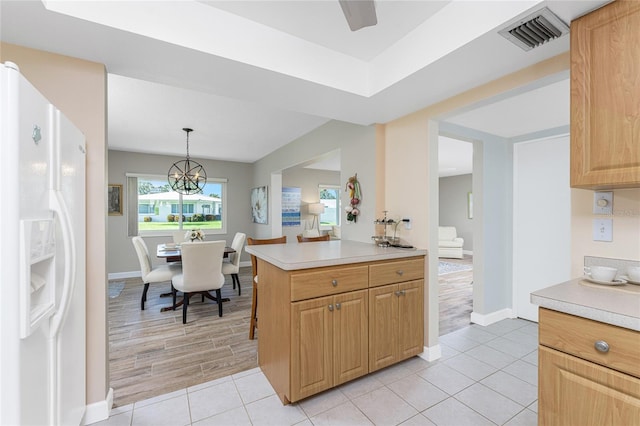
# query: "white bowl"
x,y
634,273
602,273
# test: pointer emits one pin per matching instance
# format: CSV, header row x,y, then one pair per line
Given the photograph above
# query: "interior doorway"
x,y
455,258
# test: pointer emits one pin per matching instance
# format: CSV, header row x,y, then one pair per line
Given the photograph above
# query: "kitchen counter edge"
x,y
608,305
292,256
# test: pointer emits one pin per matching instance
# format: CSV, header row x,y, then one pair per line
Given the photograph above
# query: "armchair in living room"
x,y
449,244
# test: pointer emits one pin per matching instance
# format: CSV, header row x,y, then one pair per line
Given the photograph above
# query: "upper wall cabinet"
x,y
605,97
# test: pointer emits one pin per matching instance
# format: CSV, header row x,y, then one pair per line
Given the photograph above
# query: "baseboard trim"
x,y
431,353
136,274
469,252
98,411
123,275
493,317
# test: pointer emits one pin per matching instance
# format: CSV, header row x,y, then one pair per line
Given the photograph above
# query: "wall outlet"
x,y
603,203
602,229
407,223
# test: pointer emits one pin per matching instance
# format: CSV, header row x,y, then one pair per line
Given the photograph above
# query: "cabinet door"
x,y
383,326
410,319
311,347
605,112
576,392
350,339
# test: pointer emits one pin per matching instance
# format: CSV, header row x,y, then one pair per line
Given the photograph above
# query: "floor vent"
x,y
535,30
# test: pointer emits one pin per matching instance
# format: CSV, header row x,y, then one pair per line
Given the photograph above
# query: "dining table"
x,y
172,253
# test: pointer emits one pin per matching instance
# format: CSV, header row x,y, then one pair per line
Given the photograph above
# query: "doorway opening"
x,y
455,234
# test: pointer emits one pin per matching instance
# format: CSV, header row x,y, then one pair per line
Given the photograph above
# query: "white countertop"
x,y
294,256
615,305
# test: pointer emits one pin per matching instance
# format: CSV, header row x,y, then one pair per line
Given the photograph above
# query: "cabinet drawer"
x,y
396,271
325,282
577,336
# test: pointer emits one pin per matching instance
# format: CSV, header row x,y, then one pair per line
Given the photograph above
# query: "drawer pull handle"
x,y
331,308
334,283
337,306
400,272
602,346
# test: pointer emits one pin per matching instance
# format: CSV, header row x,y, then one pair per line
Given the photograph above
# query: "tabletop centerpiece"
x,y
194,234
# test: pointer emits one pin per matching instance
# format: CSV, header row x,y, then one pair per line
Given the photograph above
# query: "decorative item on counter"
x,y
355,196
384,240
194,234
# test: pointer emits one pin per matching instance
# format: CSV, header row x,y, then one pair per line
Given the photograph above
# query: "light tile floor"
x,y
486,376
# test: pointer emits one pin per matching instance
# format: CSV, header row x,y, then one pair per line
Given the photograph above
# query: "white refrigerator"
x,y
42,259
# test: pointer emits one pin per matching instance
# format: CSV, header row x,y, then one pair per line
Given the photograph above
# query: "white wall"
x,y
357,145
454,191
307,180
542,219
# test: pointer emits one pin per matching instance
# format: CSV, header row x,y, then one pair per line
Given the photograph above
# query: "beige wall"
x,y
626,228
79,89
411,183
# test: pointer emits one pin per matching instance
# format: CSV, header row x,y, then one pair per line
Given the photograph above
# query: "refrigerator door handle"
x,y
58,205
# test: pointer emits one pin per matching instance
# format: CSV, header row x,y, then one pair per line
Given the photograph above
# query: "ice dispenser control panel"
x,y
37,273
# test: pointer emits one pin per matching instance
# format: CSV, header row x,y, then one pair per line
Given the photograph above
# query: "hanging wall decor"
x,y
291,206
259,205
352,187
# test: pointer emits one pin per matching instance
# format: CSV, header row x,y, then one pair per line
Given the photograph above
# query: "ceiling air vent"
x,y
535,30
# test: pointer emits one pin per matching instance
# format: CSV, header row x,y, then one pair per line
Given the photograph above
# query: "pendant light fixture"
x,y
187,176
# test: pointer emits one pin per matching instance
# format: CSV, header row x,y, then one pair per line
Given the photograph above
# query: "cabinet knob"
x,y
337,306
331,308
397,293
601,346
334,283
400,272
402,292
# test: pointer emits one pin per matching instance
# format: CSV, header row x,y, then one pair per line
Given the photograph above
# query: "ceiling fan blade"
x,y
359,13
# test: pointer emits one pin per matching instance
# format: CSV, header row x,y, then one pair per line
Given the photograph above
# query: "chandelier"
x,y
187,176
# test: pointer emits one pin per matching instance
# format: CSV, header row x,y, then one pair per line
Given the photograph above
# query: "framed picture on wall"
x,y
114,202
291,206
259,205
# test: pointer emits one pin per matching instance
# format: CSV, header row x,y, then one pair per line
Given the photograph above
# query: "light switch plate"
x,y
603,203
602,229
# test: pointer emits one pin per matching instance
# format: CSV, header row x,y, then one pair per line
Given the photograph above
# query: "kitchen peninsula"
x,y
332,311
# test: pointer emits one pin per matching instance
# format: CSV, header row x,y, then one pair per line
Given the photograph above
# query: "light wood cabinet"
x,y
581,385
328,342
605,111
316,324
395,323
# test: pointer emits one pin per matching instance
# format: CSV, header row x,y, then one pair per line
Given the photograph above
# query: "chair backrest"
x,y
302,239
178,236
257,242
202,265
143,255
237,244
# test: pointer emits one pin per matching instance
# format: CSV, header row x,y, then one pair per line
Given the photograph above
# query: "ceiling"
x,y
523,116
251,76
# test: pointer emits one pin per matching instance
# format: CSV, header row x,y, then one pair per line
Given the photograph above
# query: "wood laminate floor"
x,y
152,353
455,297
